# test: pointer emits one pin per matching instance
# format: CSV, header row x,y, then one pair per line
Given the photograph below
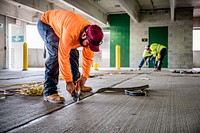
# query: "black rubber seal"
x,y
135,93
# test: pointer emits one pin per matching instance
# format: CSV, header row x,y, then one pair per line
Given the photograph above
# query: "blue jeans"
x,y
154,62
163,52
143,61
158,64
51,41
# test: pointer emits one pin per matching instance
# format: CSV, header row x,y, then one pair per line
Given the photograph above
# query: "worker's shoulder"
x,y
57,10
60,13
162,46
154,44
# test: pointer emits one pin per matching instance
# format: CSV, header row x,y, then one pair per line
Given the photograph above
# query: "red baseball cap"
x,y
95,36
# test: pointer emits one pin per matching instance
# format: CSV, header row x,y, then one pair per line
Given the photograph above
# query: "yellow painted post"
x,y
95,66
25,56
117,52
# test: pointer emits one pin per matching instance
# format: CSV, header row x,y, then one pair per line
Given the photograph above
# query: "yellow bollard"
x,y
117,52
95,66
25,57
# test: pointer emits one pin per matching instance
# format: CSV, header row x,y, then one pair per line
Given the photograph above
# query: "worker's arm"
x,y
154,53
87,56
81,80
64,60
158,56
146,53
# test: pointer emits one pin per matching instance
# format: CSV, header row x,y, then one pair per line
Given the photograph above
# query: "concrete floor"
x,y
171,104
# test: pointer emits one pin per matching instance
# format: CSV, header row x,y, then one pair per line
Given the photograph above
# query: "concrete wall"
x,y
2,42
102,58
5,41
196,22
36,58
180,53
196,61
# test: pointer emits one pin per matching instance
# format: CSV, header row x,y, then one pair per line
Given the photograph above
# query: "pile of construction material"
x,y
35,89
186,72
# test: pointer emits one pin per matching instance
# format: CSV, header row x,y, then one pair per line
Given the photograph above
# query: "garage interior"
x,y
171,100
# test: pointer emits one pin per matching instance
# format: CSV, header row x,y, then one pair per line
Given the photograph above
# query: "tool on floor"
x,y
131,91
135,93
77,92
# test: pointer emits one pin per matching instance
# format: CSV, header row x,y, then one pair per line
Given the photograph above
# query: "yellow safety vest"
x,y
156,48
146,53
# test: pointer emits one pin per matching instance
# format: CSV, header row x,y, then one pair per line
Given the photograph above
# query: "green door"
x,y
120,35
159,35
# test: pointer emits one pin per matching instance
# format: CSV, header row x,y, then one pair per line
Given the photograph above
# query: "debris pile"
x,y
185,72
35,89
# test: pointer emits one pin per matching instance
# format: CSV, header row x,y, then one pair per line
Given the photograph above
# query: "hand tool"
x,y
77,92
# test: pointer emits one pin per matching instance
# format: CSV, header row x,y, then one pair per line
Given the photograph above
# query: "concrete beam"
x,y
132,7
172,9
85,8
39,6
18,12
26,10
35,5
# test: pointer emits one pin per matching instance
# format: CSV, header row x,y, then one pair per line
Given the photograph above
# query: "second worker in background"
x,y
158,51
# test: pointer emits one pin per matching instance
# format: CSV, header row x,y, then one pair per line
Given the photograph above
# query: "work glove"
x,y
70,87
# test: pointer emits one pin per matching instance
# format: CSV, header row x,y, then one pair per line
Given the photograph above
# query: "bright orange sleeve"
x,y
63,58
87,56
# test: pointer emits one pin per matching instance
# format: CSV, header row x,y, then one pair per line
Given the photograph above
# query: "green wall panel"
x,y
120,35
159,35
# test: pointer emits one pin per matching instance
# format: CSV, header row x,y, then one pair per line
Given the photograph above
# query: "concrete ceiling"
x,y
95,11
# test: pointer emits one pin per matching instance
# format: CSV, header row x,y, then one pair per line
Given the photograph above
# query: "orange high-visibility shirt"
x,y
68,26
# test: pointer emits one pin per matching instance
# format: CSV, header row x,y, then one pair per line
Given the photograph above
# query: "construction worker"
x,y
63,32
158,51
146,56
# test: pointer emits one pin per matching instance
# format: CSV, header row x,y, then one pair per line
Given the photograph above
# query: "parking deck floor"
x,y
170,105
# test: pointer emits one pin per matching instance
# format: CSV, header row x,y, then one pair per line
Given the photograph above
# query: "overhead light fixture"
x,y
117,5
97,1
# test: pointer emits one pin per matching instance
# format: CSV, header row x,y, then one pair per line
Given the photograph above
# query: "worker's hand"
x,y
70,87
157,58
82,81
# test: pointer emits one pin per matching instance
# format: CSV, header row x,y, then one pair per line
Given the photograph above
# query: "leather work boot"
x,y
86,89
156,70
55,98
